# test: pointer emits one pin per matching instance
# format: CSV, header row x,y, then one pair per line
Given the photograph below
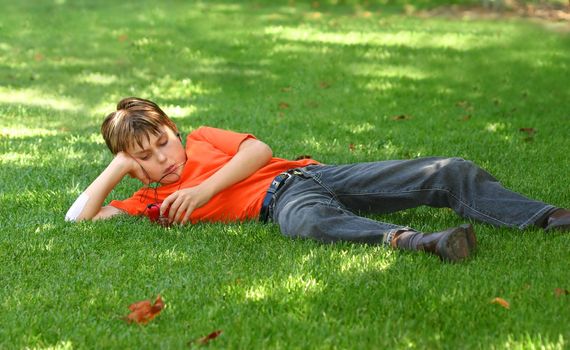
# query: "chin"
x,y
170,178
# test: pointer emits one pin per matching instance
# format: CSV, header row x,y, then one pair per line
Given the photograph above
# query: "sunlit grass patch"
x,y
34,97
387,38
339,82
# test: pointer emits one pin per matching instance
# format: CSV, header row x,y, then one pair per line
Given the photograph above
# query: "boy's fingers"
x,y
166,204
183,214
163,206
173,210
186,217
178,214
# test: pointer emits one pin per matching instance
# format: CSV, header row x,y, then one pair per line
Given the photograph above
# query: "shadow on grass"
x,y
332,85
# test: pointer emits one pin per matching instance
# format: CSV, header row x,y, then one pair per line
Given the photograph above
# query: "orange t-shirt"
x,y
208,150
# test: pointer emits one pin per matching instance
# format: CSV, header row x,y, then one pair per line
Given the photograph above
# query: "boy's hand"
x,y
133,168
185,201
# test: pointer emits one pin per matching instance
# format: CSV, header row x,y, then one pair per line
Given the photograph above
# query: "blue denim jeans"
x,y
325,201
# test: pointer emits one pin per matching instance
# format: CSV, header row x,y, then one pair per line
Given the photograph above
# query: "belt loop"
x,y
275,185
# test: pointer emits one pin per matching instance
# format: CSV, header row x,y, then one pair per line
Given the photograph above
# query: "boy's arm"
x,y
252,154
88,205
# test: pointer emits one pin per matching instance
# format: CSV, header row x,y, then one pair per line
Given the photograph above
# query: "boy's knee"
x,y
466,169
457,165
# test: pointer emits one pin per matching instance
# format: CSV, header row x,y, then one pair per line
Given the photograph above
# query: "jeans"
x,y
323,202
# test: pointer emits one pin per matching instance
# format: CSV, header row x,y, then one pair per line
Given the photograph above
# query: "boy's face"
x,y
162,157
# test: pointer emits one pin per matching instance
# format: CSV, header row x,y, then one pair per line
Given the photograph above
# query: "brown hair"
x,y
134,120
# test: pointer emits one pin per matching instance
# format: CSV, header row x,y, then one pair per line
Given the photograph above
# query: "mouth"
x,y
171,169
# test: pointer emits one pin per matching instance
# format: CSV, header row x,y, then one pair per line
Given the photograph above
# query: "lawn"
x,y
340,83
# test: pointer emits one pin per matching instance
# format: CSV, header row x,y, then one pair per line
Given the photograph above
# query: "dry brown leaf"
x,y
304,156
462,104
311,104
560,292
324,85
206,339
401,117
315,15
528,131
283,105
210,337
143,311
502,302
123,37
38,57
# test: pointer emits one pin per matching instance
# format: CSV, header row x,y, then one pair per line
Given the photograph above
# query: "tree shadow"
x,y
331,85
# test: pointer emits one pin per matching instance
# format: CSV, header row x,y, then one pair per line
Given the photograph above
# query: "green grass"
x,y
465,87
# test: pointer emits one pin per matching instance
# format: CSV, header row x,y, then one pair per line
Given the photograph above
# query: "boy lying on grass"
x,y
227,176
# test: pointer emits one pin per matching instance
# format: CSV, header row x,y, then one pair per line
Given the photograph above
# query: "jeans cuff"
x,y
389,236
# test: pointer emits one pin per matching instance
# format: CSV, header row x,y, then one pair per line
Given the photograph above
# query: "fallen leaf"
x,y
462,104
401,117
324,85
351,147
206,339
286,89
560,292
409,9
123,37
283,105
143,311
311,104
38,57
466,117
502,302
304,156
528,131
315,15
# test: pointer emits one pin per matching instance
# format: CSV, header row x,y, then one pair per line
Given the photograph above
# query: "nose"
x,y
161,157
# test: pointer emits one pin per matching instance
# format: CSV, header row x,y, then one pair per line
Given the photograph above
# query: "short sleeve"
x,y
225,140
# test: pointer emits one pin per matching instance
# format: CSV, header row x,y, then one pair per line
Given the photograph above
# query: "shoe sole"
x,y
560,225
457,245
471,238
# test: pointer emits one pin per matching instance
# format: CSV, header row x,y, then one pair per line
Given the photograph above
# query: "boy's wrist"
x,y
208,188
123,163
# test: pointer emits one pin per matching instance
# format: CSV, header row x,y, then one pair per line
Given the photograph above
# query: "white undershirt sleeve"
x,y
77,207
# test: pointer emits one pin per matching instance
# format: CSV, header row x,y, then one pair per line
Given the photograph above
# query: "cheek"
x,y
151,167
177,151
